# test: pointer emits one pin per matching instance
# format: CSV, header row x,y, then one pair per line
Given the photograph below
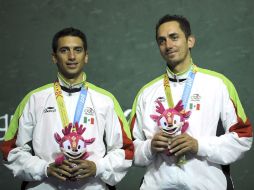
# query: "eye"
x,y
174,38
161,41
63,50
81,144
163,123
176,119
67,145
79,49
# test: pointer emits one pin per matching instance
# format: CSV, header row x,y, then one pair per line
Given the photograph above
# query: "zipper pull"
x,y
70,91
176,79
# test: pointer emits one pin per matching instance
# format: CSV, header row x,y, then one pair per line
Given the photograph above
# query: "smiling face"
x,y
173,44
171,123
70,57
73,146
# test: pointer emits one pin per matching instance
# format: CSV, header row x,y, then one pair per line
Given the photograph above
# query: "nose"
x,y
169,43
71,55
75,150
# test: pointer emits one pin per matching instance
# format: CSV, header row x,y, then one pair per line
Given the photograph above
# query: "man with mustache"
x,y
214,105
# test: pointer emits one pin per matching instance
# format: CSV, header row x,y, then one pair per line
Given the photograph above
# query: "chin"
x,y
71,75
173,63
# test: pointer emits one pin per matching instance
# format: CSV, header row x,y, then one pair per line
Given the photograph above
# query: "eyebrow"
x,y
68,47
64,47
173,34
168,35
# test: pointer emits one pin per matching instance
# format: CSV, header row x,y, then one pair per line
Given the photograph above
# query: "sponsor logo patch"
x,y
49,109
89,111
195,97
161,99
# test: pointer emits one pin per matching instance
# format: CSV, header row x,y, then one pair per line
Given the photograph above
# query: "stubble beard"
x,y
66,74
172,64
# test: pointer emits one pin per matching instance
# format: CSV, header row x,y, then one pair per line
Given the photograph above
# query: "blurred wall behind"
x,y
123,54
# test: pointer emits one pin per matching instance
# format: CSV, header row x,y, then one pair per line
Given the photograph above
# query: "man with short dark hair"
x,y
176,118
69,134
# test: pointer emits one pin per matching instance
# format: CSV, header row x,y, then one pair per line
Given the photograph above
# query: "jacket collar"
x,y
178,77
64,83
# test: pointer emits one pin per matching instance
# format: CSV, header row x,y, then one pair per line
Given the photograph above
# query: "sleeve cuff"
x,y
147,149
46,170
100,167
203,148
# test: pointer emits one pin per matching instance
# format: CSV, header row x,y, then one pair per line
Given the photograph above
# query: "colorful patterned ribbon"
x,y
62,107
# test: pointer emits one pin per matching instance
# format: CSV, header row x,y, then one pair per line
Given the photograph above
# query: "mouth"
x,y
71,65
170,129
73,156
170,53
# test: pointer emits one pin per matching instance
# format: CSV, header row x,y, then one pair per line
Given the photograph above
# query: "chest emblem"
x,y
195,102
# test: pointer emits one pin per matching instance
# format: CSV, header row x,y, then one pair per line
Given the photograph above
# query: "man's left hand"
x,y
182,144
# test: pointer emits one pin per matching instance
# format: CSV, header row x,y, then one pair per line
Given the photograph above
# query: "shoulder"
x,y
104,98
40,91
152,85
100,92
147,92
19,110
214,76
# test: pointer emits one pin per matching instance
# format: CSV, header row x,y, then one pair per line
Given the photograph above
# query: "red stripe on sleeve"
x,y
242,129
127,144
7,146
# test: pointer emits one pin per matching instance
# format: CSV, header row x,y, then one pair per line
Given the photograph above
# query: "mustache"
x,y
170,50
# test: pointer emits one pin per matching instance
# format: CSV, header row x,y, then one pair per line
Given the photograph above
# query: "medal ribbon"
x,y
186,91
62,107
188,87
168,91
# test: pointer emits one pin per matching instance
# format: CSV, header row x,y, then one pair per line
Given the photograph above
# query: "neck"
x,y
180,67
73,81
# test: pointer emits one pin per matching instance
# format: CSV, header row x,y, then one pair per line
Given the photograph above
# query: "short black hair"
x,y
183,22
70,31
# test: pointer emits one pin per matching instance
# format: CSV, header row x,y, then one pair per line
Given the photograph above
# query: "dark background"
x,y
123,54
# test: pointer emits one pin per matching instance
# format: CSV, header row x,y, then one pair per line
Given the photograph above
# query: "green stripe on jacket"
x,y
14,124
231,90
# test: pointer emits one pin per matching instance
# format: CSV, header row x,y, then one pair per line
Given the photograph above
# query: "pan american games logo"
x,y
4,123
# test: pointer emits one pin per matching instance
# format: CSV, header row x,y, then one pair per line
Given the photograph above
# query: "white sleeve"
x,y
143,155
114,166
20,159
237,139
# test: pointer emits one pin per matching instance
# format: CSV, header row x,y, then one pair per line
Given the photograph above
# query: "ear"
x,y
184,127
191,41
86,57
187,114
53,57
57,138
154,117
179,106
159,108
89,141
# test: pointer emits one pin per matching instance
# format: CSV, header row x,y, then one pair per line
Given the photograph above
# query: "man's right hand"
x,y
160,142
62,171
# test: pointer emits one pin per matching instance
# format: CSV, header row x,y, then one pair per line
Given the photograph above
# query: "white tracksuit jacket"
x,y
213,98
37,119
